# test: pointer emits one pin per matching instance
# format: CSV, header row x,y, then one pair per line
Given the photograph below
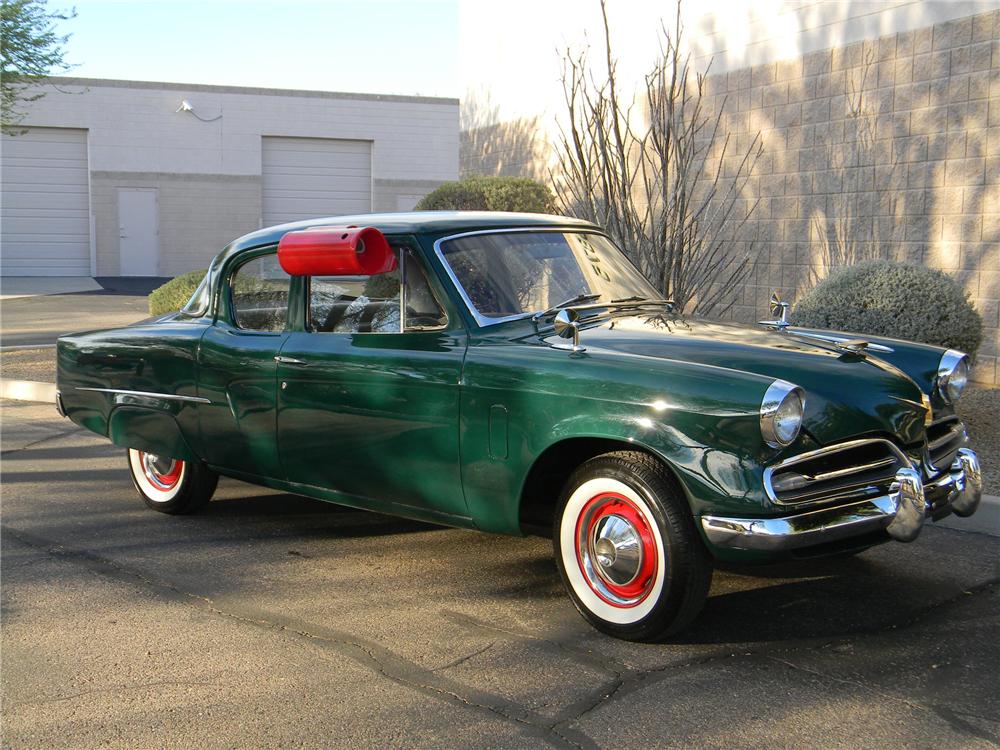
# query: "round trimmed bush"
x,y
482,193
897,300
175,293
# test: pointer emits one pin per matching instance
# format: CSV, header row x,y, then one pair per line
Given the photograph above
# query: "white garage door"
x,y
45,204
303,178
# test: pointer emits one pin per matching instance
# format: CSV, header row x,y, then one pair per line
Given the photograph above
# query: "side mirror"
x,y
567,326
336,251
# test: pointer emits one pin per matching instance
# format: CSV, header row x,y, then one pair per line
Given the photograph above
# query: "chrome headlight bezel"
x,y
952,375
782,400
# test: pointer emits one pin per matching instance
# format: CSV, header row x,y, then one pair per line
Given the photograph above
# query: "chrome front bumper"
x,y
901,513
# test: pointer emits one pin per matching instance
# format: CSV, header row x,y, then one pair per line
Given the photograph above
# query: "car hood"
x,y
847,394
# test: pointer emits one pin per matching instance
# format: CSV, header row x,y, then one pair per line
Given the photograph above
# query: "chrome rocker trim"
x,y
901,513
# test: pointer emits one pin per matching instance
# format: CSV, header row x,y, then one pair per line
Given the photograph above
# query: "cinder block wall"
x,y
886,148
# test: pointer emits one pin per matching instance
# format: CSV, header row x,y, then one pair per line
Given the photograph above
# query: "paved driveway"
x,y
275,621
40,320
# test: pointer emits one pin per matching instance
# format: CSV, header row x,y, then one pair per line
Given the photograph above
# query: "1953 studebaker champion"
x,y
515,374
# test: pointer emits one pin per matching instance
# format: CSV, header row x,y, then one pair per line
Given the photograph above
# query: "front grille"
x,y
849,471
944,438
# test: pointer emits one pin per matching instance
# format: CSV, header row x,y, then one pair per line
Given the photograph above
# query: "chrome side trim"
x,y
481,320
818,453
149,394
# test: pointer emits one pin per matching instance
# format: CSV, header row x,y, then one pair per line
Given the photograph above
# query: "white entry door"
x,y
138,232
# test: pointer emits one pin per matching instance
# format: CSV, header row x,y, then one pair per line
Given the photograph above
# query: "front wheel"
x,y
169,485
628,550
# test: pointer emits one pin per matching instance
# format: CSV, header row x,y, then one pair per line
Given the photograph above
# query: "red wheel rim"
x,y
616,550
163,473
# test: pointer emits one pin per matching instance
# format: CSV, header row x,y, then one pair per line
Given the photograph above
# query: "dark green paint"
x,y
447,425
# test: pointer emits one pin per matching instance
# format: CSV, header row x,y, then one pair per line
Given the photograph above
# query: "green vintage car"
x,y
516,374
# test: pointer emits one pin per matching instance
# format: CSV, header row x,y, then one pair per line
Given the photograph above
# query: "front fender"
x,y
702,420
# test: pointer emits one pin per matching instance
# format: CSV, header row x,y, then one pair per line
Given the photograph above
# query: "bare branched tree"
x,y
658,186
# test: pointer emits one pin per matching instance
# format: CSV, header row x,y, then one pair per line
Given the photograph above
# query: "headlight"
x,y
781,413
953,374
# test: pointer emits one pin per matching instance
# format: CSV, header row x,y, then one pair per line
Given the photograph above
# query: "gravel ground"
x,y
29,364
980,408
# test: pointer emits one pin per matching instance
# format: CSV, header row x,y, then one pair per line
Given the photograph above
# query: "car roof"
x,y
414,222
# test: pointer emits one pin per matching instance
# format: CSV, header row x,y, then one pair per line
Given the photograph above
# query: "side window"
x,y
259,293
371,304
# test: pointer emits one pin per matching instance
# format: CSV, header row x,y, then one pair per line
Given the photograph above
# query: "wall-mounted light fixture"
x,y
186,106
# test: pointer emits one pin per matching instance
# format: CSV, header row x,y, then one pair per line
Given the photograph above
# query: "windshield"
x,y
516,273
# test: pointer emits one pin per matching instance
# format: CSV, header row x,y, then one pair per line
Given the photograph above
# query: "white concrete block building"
x,y
128,178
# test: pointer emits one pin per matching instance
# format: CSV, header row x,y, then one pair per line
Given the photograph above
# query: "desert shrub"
x,y
897,300
483,193
175,293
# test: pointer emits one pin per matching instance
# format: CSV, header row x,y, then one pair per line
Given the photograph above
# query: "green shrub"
x,y
481,193
897,300
175,293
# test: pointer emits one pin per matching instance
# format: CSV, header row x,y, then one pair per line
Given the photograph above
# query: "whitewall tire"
x,y
170,485
627,547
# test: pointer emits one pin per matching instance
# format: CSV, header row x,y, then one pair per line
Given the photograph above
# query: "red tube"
x,y
336,251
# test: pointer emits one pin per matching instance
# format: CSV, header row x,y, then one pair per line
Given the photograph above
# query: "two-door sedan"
x,y
516,374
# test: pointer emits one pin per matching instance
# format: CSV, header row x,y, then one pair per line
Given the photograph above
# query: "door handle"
x,y
290,360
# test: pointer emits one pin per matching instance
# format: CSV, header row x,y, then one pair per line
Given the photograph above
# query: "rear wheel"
x,y
628,550
169,485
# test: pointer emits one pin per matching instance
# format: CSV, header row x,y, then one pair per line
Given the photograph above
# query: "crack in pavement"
x,y
558,730
628,680
116,689
463,659
378,659
61,433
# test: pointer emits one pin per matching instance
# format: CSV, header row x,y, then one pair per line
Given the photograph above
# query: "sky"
x,y
370,46
509,51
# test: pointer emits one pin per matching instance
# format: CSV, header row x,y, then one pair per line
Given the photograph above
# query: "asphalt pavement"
x,y
39,320
276,621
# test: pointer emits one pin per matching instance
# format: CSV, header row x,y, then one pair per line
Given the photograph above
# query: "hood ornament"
x,y
779,308
853,346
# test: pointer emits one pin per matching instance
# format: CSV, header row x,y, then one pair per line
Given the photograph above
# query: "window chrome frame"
x,y
484,321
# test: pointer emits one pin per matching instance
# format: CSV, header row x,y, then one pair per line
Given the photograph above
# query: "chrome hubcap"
x,y
161,472
617,549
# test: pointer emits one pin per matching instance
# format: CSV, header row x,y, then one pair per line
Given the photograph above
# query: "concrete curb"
x,y
28,390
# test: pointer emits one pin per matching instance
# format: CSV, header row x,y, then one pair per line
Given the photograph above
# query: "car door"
x,y
368,399
236,368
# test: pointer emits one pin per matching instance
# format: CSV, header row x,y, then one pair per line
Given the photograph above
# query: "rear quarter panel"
x,y
157,357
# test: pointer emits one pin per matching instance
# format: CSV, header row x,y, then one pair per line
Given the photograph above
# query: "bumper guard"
x,y
901,513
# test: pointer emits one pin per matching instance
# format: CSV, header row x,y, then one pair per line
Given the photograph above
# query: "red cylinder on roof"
x,y
336,251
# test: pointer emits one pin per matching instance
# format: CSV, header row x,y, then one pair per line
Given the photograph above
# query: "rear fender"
x,y
149,430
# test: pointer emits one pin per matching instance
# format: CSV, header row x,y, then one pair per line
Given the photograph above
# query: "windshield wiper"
x,y
577,300
637,300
